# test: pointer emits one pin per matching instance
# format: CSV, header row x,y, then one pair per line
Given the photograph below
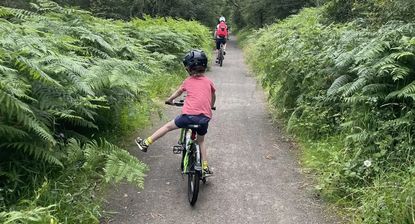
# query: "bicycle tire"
x,y
193,179
220,57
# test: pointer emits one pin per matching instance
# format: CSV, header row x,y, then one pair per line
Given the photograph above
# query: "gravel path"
x,y
257,177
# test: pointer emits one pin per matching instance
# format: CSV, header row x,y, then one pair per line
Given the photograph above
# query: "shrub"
x,y
68,82
347,92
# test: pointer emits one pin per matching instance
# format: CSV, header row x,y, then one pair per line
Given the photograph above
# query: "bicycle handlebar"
x,y
180,104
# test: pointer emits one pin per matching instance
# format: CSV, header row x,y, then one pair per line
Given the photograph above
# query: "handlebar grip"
x,y
181,103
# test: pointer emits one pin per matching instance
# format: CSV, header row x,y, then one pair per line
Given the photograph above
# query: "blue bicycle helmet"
x,y
195,60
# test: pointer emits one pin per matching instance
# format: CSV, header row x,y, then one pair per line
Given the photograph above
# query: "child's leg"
x,y
143,144
170,126
205,165
201,141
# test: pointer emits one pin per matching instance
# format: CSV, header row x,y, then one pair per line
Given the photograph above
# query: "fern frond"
x,y
11,105
359,137
355,99
5,12
73,119
81,85
5,69
372,50
74,151
407,91
97,52
376,88
18,13
96,40
120,165
400,72
401,122
29,215
350,124
402,55
9,131
339,82
26,65
344,60
38,128
39,152
355,86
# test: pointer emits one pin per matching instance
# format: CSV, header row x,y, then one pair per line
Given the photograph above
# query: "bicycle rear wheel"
x,y
193,179
221,57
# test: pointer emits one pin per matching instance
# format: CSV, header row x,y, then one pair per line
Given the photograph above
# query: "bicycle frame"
x,y
187,139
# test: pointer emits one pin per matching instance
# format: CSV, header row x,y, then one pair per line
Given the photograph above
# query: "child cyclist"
x,y
197,105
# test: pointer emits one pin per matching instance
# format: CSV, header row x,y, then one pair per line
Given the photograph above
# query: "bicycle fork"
x,y
198,165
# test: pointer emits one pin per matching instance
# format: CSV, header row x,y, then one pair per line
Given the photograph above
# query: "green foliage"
x,y
254,14
391,198
347,91
374,11
36,215
203,11
206,11
66,79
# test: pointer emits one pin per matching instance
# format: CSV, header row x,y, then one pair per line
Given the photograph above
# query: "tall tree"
x,y
259,13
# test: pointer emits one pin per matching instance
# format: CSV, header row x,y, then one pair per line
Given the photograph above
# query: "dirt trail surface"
x,y
256,179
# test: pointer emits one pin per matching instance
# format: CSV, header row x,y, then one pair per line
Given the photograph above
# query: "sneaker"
x,y
207,172
141,144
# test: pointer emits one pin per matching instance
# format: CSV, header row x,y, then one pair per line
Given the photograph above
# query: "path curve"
x,y
257,177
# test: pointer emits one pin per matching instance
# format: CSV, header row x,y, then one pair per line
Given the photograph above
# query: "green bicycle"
x,y
191,162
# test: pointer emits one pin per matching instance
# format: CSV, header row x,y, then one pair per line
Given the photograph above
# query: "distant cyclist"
x,y
221,35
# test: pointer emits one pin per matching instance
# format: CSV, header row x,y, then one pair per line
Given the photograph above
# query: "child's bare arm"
x,y
213,99
176,94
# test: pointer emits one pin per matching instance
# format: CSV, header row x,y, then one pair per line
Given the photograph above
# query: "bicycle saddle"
x,y
193,126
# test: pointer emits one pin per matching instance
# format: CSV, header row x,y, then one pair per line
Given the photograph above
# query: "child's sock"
x,y
148,141
205,165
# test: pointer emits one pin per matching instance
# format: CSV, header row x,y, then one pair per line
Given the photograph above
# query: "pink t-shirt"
x,y
199,96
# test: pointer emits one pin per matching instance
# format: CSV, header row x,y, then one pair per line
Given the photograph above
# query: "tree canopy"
x,y
242,13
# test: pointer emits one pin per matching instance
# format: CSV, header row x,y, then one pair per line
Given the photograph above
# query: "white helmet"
x,y
222,19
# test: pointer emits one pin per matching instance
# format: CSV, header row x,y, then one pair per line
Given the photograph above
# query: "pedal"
x,y
177,149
